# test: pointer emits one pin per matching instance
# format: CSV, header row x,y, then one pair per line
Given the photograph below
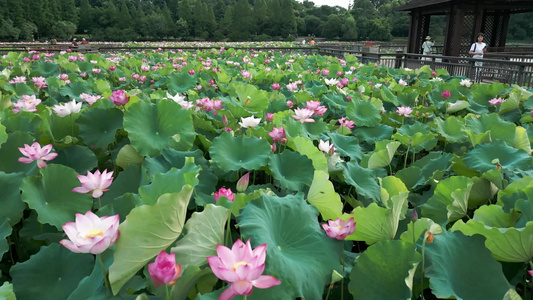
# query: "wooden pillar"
x,y
414,31
454,32
505,28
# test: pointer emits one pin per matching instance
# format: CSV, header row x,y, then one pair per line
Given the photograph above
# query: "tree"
x,y
259,17
287,19
64,30
333,27
349,29
241,21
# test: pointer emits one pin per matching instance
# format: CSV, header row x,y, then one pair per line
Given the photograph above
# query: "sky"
x,y
341,3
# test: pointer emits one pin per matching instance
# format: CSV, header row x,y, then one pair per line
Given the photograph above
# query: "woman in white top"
x,y
477,50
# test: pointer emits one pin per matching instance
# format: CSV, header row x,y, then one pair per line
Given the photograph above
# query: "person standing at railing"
x,y
477,50
426,47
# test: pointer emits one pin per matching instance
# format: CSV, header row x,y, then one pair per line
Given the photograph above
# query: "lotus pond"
x,y
260,175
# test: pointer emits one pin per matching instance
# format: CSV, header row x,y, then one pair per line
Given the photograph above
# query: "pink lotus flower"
x,y
36,153
135,76
278,134
27,103
275,86
242,268
326,147
346,123
119,98
292,87
339,73
303,115
96,183
315,106
191,71
496,101
112,68
90,99
530,272
344,81
97,71
224,192
402,82
91,234
404,111
446,94
164,270
270,117
243,182
339,229
40,82
289,103
63,110
433,73
27,59
18,79
325,72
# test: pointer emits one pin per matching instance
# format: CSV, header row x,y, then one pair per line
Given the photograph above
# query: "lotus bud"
x,y
242,184
414,216
224,120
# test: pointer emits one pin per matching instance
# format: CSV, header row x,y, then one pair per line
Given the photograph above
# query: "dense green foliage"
x,y
123,20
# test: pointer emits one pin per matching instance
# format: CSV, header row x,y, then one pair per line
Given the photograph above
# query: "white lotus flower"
x,y
331,82
68,108
249,122
465,82
178,98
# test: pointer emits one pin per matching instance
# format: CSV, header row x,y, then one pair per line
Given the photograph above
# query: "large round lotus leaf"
x,y
5,231
12,205
364,113
299,253
499,129
322,195
148,229
46,69
433,163
371,135
307,148
79,158
364,180
75,89
59,129
388,264
23,121
98,126
252,99
516,190
10,153
51,195
127,181
153,127
346,145
233,153
452,129
451,254
450,200
293,170
53,273
383,157
416,136
180,82
506,244
483,157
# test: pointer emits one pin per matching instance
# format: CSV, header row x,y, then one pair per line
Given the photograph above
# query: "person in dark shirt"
x,y
74,44
84,41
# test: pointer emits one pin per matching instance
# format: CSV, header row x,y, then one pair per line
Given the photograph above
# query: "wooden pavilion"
x,y
464,20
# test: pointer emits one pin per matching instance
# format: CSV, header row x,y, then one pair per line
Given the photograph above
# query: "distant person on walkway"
x,y
477,50
312,42
53,42
303,42
426,47
74,44
84,41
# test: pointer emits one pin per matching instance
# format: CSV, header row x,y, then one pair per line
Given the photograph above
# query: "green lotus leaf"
x,y
449,201
50,194
77,157
485,157
386,263
416,136
102,86
375,223
525,207
307,148
46,69
510,104
293,170
180,82
12,205
59,129
421,226
506,244
75,89
456,106
148,229
388,96
371,135
252,99
364,113
70,66
521,139
452,129
170,182
494,216
322,195
3,134
410,176
335,102
128,156
434,163
364,180
512,295
382,158
453,253
485,92
346,145
5,231
23,121
10,153
121,205
152,128
6,291
314,130
482,191
298,253
391,186
93,284
192,278
205,231
233,153
499,129
294,128
51,269
127,181
519,189
99,125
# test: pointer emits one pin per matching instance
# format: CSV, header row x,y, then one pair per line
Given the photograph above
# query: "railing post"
x,y
520,79
399,56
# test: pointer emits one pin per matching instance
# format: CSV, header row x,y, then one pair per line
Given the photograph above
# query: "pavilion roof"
x,y
514,6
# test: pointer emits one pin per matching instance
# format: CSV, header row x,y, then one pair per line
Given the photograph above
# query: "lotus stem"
x,y
423,265
414,239
99,202
329,290
106,280
406,155
168,293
